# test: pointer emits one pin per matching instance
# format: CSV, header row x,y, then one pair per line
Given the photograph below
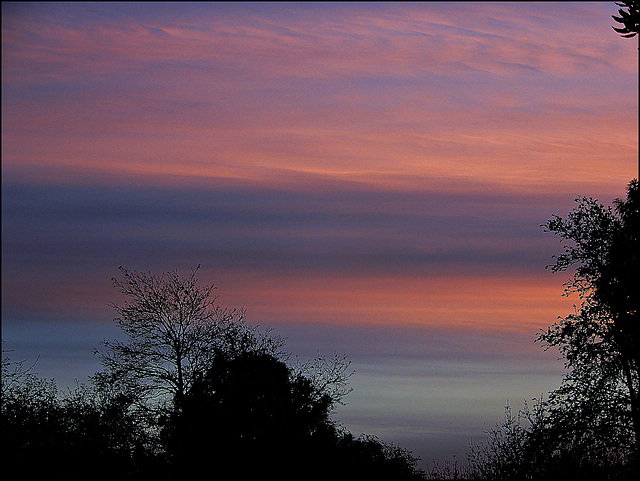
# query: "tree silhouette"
x,y
83,430
252,416
233,406
598,400
175,329
588,427
248,413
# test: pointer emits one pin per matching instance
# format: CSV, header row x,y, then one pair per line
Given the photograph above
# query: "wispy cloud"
x,y
371,94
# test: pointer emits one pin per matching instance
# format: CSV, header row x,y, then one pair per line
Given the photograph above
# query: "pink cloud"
x,y
399,41
507,94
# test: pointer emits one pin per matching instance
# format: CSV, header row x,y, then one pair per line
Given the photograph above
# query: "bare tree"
x,y
14,373
328,377
175,329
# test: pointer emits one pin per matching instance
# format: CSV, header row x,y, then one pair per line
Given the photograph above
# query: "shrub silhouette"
x,y
248,403
251,416
80,431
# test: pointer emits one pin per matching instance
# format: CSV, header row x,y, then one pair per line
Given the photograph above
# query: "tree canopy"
x,y
600,340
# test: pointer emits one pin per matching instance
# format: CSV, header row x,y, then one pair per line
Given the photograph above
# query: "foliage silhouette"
x,y
535,444
193,388
243,412
601,340
174,329
252,416
248,417
588,427
629,18
81,430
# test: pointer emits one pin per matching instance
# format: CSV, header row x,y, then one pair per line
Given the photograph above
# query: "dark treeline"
x,y
248,417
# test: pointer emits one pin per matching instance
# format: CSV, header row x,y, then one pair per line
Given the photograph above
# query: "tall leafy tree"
x,y
598,399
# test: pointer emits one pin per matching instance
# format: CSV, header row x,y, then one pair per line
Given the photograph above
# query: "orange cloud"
x,y
467,303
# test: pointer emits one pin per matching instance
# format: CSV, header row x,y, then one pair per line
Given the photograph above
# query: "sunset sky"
x,y
364,178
